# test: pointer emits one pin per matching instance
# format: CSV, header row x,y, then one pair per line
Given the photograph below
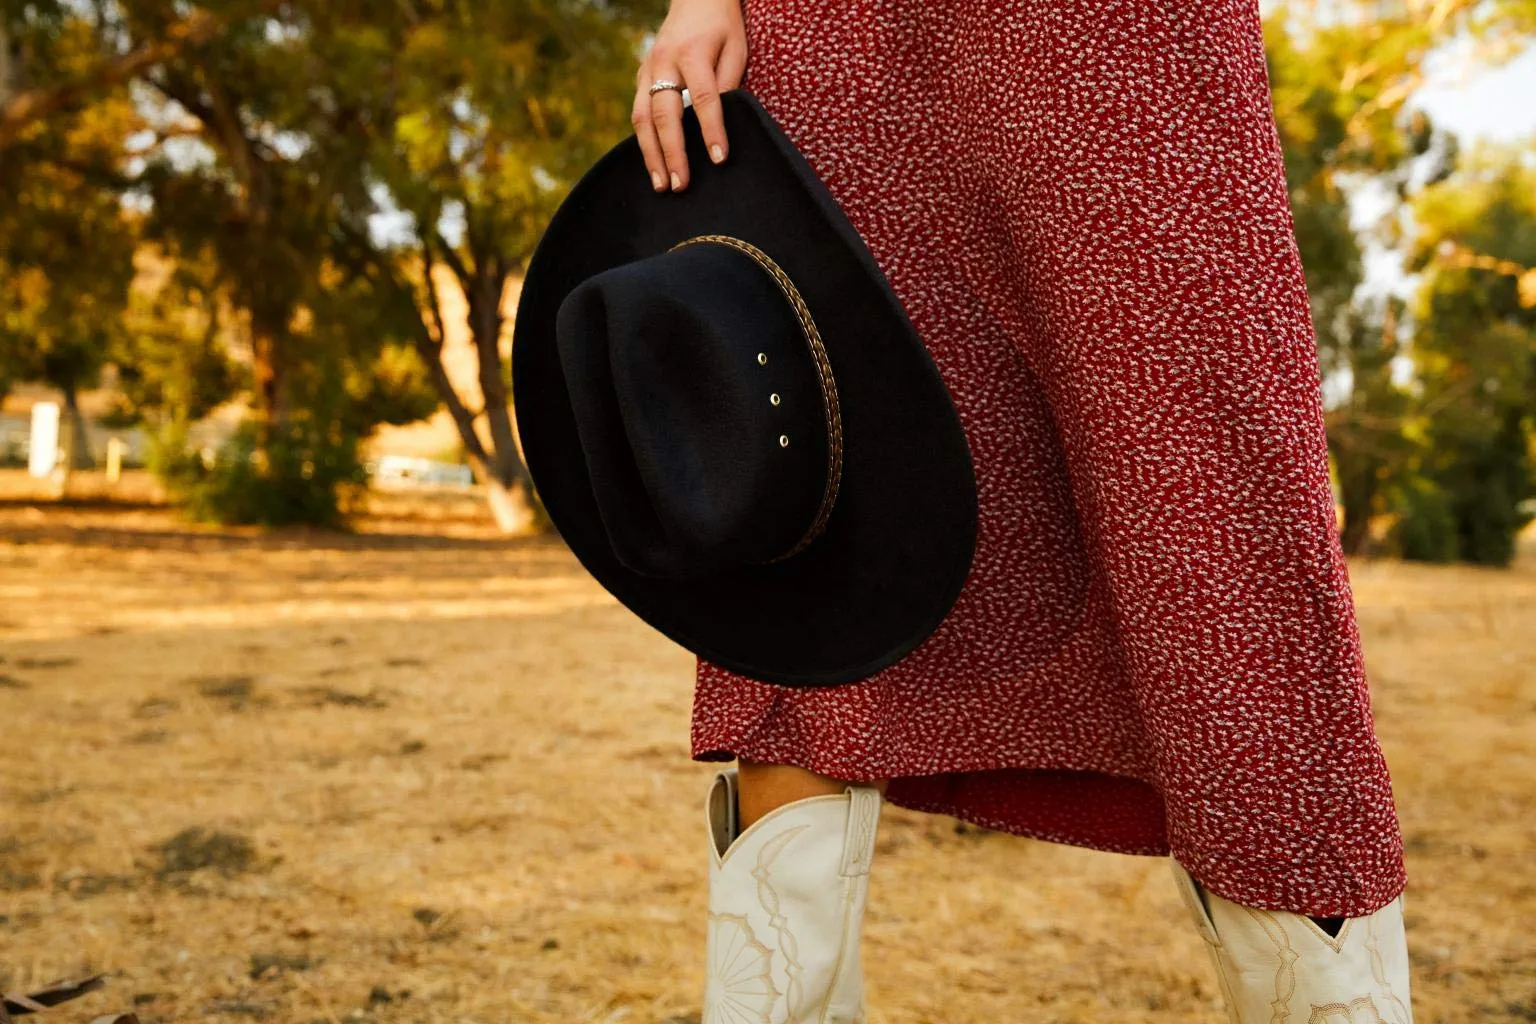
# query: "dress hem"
x,y
1213,872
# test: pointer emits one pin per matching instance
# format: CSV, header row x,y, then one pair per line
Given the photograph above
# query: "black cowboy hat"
x,y
731,420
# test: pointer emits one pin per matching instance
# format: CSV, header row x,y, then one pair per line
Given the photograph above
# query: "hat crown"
x,y
699,409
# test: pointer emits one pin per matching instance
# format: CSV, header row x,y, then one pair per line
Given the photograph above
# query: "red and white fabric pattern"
x,y
1082,205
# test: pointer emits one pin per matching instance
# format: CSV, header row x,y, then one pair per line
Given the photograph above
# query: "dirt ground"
x,y
408,777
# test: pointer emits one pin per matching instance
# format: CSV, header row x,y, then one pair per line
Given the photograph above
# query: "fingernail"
x,y
677,182
656,180
716,153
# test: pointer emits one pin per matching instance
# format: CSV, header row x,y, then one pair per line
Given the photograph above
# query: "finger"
x,y
732,63
667,116
645,132
706,101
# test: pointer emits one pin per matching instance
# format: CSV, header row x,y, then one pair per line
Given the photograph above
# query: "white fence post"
x,y
115,449
43,455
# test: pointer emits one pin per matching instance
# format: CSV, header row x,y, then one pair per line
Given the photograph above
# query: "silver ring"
x,y
664,83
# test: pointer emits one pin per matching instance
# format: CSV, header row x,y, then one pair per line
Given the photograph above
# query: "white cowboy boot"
x,y
1276,967
786,901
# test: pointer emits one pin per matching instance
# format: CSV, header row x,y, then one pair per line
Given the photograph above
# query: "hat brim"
x,y
897,548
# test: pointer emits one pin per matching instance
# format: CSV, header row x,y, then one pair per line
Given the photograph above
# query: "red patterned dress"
x,y
1082,205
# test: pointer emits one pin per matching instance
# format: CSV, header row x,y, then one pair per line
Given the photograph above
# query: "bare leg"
x,y
765,787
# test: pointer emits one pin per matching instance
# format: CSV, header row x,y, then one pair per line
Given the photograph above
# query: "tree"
x,y
311,119
23,103
1341,74
1331,147
498,108
173,355
1475,349
66,246
1385,48
1368,428
256,183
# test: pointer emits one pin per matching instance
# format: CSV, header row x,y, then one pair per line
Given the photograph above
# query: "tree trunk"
x,y
77,442
506,495
506,472
267,374
509,464
6,87
499,468
509,506
1358,485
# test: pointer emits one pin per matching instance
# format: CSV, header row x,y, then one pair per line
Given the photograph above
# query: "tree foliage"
x,y
1475,349
1341,74
173,353
275,197
280,137
66,246
500,106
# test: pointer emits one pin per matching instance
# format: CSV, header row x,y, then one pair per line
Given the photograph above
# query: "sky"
x,y
1498,103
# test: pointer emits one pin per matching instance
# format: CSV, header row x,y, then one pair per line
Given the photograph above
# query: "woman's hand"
x,y
701,45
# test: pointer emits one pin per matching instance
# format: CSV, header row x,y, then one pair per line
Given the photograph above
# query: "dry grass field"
x,y
414,777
